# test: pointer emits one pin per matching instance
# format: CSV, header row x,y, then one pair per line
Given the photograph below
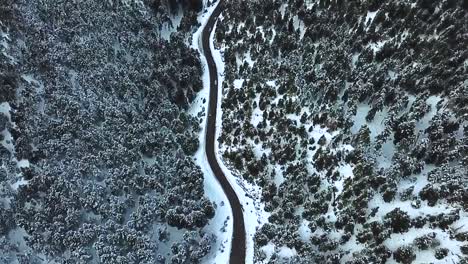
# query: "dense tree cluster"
x,y
351,116
95,151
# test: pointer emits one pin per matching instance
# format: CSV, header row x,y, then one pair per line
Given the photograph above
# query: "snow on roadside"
x,y
221,224
254,213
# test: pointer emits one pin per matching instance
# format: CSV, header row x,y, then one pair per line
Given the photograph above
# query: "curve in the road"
x,y
237,255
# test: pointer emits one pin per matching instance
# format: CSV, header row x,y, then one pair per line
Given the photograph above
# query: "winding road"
x,y
237,255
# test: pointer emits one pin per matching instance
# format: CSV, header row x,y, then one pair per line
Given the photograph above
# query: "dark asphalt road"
x,y
238,237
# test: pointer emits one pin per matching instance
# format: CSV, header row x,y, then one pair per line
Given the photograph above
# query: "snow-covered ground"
x,y
171,26
5,109
221,225
8,143
394,134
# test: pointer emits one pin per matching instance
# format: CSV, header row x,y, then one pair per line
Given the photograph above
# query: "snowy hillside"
x,y
340,131
96,143
351,118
